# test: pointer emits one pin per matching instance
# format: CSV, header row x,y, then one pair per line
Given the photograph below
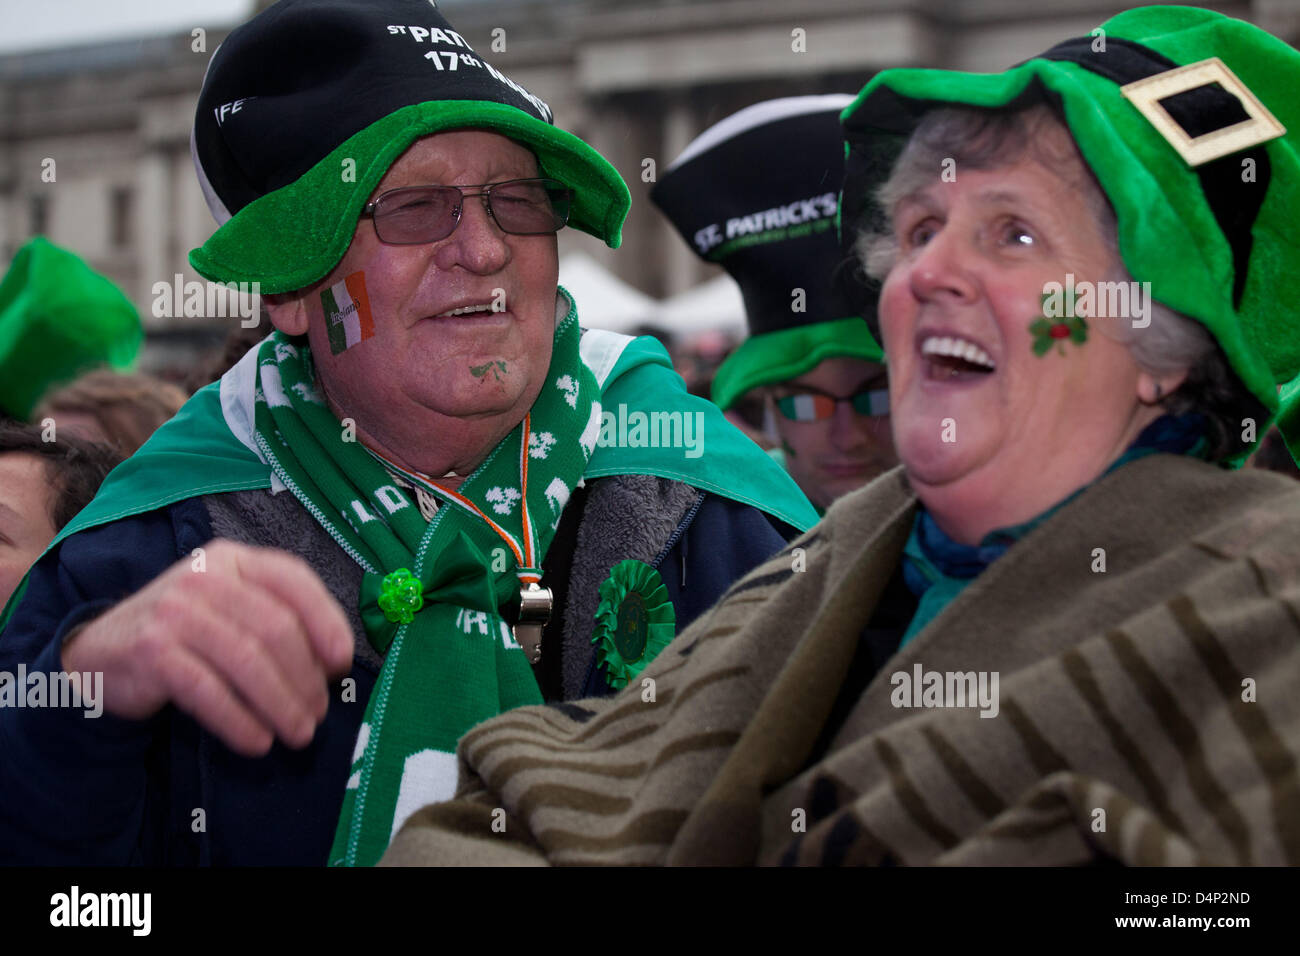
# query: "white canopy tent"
x,y
607,302
713,306
604,300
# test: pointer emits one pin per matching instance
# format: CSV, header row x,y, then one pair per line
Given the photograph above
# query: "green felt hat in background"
x,y
58,317
306,106
1218,237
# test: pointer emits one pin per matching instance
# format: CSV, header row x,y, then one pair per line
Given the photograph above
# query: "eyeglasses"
x,y
813,407
418,214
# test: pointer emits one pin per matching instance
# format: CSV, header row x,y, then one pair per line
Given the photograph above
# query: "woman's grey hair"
x,y
1171,342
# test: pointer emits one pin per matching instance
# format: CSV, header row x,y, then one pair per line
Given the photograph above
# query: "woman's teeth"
x,y
967,352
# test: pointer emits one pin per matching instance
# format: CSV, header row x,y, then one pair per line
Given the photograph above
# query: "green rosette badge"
x,y
634,621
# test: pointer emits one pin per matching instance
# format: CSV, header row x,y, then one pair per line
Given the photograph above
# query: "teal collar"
x,y
936,568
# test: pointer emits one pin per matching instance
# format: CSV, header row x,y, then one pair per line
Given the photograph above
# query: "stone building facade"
x,y
94,140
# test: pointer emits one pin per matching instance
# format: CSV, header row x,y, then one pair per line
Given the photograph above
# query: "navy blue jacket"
x,y
76,790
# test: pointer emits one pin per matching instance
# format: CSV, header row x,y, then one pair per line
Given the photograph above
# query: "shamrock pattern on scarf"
x,y
308,393
591,434
569,385
273,387
503,499
557,496
539,444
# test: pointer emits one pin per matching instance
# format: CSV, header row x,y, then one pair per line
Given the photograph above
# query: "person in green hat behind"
x,y
1064,631
742,198
58,317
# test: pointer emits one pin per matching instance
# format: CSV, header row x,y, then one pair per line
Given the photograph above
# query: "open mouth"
x,y
466,310
955,359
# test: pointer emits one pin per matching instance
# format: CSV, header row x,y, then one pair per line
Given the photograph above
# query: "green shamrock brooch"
x,y
634,621
400,596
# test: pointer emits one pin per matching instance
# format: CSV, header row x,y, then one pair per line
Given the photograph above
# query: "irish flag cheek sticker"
x,y
347,312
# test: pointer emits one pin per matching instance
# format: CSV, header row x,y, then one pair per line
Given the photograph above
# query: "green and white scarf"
x,y
450,659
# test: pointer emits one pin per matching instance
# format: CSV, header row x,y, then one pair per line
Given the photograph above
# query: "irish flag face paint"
x,y
347,312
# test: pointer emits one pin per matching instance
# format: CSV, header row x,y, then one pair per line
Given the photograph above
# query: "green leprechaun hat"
x,y
306,106
757,193
58,317
1189,121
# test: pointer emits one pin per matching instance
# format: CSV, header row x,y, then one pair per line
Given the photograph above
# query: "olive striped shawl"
x,y
1148,713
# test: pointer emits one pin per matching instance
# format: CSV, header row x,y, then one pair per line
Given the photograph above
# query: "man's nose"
x,y
478,244
849,429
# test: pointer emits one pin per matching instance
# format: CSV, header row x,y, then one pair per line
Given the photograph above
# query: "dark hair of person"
x,y
1214,390
74,468
1274,456
127,407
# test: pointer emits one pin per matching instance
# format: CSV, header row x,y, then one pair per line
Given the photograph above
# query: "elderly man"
x,y
426,479
742,198
1066,632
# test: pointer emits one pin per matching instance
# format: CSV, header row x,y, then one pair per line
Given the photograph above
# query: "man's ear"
x,y
287,311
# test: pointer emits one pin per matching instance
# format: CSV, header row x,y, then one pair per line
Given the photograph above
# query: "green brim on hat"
x,y
1288,416
58,318
775,357
290,238
1168,233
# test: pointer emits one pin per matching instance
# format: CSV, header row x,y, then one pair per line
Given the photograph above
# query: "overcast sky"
x,y
35,24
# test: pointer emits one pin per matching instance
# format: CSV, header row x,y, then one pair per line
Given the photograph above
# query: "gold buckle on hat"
x,y
1196,151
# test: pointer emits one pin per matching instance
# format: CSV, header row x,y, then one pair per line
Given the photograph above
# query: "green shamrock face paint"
x,y
480,371
1049,332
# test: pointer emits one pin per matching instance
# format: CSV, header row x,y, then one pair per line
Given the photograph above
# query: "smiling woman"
x,y
983,199
967,263
987,139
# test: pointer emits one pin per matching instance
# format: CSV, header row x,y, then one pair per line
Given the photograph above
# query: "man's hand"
x,y
246,647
